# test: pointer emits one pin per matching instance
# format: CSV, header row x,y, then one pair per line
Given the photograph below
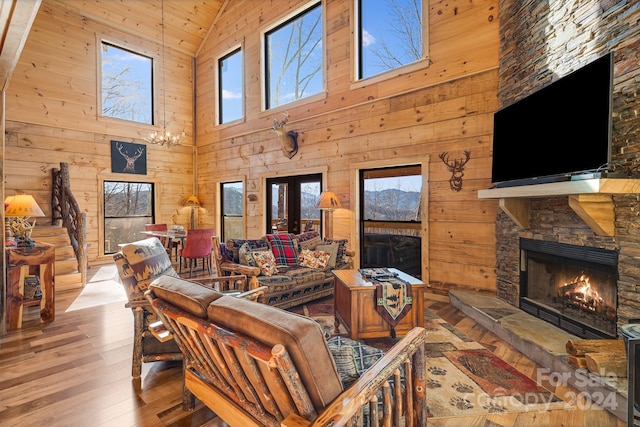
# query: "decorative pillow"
x,y
266,261
365,355
342,249
308,240
245,254
314,259
345,361
333,250
284,249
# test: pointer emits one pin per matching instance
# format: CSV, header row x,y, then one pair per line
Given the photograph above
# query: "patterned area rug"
x,y
463,378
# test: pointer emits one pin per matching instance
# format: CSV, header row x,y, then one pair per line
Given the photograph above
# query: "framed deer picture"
x,y
127,157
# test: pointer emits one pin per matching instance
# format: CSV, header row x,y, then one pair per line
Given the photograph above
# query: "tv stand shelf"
x,y
591,200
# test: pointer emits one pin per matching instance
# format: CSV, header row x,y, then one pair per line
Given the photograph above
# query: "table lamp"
x,y
328,202
20,209
194,204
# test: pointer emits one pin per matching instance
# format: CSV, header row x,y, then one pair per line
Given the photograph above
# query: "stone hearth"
x,y
541,342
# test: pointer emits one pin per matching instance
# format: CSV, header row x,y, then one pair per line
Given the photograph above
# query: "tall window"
x,y
232,218
126,85
389,35
128,206
293,58
230,88
390,208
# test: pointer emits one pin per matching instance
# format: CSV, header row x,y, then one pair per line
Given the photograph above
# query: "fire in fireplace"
x,y
572,287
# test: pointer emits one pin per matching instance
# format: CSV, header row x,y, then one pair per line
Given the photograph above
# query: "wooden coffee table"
x,y
355,306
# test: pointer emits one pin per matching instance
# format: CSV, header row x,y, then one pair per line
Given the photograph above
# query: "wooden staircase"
x,y
67,275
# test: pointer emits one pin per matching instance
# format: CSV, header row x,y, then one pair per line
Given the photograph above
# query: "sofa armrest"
x,y
231,268
238,282
409,350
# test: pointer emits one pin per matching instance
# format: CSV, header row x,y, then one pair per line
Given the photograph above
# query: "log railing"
x,y
65,209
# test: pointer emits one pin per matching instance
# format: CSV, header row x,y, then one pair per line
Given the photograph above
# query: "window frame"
x,y
151,218
357,80
238,48
222,215
264,80
137,50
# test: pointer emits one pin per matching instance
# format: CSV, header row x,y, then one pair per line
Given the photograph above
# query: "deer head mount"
x,y
456,168
288,139
130,159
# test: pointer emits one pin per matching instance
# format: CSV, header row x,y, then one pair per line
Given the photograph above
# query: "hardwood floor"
x,y
76,371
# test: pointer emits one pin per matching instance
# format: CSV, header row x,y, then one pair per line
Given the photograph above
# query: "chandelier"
x,y
165,137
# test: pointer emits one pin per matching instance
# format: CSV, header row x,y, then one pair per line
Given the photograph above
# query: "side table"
x,y
38,260
355,306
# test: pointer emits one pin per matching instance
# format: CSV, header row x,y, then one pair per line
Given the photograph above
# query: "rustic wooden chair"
x,y
257,365
138,264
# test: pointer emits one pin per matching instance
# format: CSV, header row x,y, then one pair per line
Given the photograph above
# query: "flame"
x,y
584,292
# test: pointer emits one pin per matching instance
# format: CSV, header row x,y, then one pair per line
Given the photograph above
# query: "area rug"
x,y
463,378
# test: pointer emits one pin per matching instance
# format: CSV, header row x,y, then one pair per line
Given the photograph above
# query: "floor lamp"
x,y
194,204
328,202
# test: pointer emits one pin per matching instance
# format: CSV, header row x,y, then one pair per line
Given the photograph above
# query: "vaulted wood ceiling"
x,y
187,22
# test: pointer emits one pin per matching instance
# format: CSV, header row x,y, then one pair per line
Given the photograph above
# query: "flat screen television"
x,y
560,132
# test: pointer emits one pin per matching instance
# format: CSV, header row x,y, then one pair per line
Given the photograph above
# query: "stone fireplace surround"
x,y
551,219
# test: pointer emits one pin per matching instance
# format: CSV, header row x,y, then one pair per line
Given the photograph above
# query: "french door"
x,y
291,203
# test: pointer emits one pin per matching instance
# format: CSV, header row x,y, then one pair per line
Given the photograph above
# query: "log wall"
x,y
446,104
51,113
443,104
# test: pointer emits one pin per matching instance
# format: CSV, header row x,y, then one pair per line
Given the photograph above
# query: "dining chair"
x,y
197,245
170,244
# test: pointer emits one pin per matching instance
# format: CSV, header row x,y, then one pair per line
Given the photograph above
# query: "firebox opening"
x,y
572,287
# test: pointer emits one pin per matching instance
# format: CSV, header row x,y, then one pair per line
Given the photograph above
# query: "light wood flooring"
x,y
76,371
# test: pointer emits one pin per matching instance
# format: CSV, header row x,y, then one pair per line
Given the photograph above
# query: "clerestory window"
x,y
127,89
389,35
230,87
293,58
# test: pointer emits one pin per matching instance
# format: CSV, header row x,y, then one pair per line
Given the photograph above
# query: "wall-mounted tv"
x,y
561,131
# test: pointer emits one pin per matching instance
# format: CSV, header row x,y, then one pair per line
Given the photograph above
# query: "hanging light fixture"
x,y
164,137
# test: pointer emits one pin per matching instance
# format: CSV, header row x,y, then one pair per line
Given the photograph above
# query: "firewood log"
x,y
577,362
581,347
607,363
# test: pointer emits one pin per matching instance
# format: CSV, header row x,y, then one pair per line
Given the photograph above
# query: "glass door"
x,y
292,203
391,225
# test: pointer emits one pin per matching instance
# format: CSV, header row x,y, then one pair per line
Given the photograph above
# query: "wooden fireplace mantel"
x,y
591,199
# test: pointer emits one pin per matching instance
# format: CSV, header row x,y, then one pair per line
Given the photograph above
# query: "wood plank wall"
x,y
51,118
446,105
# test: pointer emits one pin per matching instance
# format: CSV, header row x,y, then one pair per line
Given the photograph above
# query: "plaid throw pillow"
x,y
284,249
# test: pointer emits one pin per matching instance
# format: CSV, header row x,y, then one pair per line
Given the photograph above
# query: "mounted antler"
x,y
288,139
456,168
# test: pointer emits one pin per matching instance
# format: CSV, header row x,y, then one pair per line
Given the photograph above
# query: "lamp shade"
x,y
23,205
192,201
7,202
328,201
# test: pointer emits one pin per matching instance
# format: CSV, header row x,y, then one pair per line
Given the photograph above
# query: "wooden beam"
x,y
16,18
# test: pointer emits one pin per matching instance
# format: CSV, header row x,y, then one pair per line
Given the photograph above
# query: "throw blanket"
x,y
393,295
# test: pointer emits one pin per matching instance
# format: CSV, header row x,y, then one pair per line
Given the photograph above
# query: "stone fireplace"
x,y
570,286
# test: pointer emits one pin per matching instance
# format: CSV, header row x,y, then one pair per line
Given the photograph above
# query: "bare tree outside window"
x,y
294,58
390,35
126,85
